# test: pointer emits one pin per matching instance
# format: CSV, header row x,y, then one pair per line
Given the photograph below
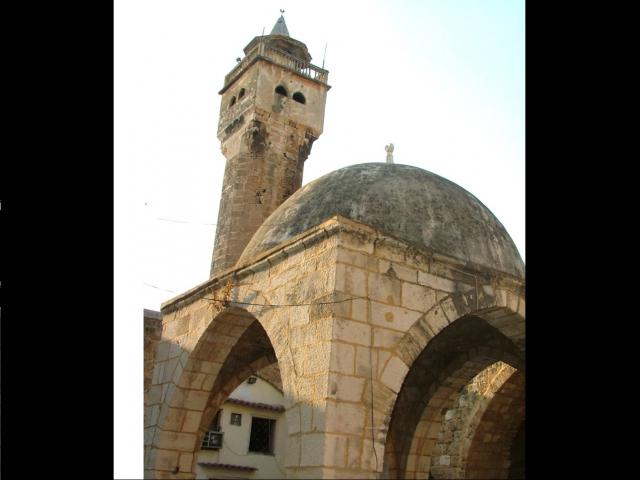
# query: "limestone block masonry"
x,y
346,311
152,334
387,301
266,134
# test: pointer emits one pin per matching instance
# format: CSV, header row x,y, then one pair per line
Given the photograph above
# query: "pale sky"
x,y
441,79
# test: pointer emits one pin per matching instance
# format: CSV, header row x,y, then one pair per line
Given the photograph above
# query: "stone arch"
x,y
204,367
491,451
460,422
429,390
271,375
501,308
457,338
424,456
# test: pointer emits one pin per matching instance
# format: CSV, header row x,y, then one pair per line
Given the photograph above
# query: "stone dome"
x,y
405,202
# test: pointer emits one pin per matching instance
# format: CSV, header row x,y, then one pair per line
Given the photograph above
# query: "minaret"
x,y
272,111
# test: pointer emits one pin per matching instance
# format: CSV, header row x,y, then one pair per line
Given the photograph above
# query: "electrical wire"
x,y
281,304
158,288
373,439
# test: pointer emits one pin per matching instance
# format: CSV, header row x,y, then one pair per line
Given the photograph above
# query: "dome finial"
x,y
389,150
280,28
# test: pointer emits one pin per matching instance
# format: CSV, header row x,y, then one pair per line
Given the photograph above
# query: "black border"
x,y
57,224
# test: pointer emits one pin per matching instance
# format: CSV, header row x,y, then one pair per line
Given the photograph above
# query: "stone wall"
x,y
152,334
345,311
266,138
271,374
461,421
491,451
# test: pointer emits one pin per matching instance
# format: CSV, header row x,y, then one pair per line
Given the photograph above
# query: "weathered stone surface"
x,y
327,354
312,449
386,338
162,459
417,297
175,441
152,350
342,417
410,203
266,138
384,288
436,282
343,387
359,310
351,280
396,318
335,451
293,451
342,358
293,420
394,373
185,462
354,452
191,422
353,332
365,362
306,417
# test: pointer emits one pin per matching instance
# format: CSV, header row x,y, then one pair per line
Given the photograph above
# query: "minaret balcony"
x,y
280,58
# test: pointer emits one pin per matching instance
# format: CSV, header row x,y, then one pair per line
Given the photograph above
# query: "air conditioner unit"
x,y
212,440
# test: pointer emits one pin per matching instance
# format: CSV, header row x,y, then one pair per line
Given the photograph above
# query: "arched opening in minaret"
x,y
280,90
241,93
299,97
232,102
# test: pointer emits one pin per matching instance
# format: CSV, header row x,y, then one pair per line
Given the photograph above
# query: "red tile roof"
x,y
263,406
228,466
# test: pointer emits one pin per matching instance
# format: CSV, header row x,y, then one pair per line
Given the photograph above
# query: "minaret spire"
x,y
280,28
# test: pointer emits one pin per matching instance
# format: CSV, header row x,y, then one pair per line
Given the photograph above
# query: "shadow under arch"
x,y
456,354
497,446
461,421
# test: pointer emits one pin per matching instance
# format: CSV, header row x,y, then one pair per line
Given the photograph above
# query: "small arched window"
x,y
299,97
232,102
241,93
280,90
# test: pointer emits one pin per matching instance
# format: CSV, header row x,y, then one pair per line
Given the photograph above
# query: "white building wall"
x,y
235,444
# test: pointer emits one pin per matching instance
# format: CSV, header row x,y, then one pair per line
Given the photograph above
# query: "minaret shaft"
x,y
271,113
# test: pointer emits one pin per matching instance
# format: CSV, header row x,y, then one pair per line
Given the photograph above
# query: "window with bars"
x,y
236,419
262,435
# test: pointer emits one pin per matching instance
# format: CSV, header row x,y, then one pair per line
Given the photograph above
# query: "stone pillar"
x,y
152,334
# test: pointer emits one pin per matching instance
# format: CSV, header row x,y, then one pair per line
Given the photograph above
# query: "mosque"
x,y
388,300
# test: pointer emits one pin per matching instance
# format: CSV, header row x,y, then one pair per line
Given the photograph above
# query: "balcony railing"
x,y
280,58
212,440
